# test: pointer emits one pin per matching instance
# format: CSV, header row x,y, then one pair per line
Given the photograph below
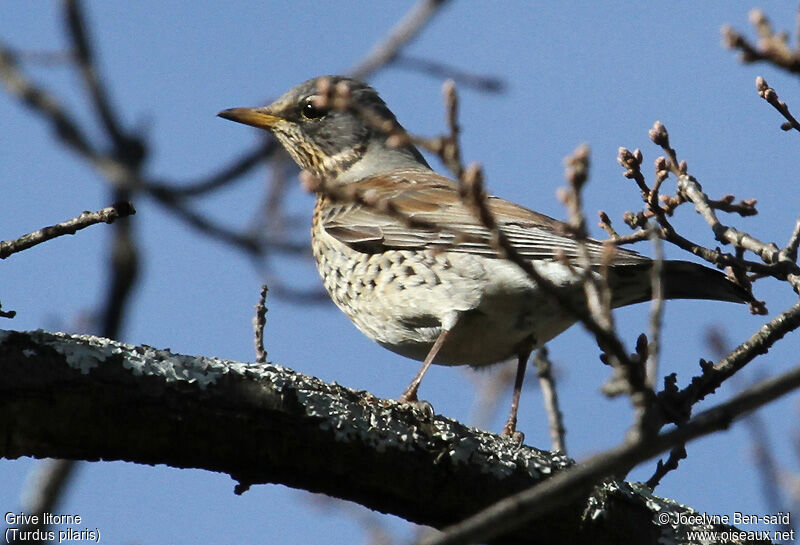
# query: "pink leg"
x,y
522,362
411,392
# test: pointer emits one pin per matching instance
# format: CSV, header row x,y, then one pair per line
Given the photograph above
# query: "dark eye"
x,y
309,111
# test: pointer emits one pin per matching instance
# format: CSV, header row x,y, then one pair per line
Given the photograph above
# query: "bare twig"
x,y
224,176
448,147
762,450
404,32
637,236
794,241
7,313
689,190
758,343
676,454
629,374
43,489
44,57
490,389
768,93
598,294
656,312
259,321
605,224
475,197
243,241
571,484
124,269
45,105
84,55
725,234
744,207
548,385
439,70
772,48
69,227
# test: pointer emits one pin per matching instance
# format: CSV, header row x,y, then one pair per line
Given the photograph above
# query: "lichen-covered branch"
x,y
90,398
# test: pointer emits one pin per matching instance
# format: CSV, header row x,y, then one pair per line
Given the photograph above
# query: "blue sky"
x,y
576,72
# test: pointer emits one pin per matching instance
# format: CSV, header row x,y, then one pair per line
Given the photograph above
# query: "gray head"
x,y
329,124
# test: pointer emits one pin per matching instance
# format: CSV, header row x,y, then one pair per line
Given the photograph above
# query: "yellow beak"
x,y
255,117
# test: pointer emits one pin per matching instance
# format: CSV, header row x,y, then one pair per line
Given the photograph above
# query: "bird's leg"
x,y
523,353
411,392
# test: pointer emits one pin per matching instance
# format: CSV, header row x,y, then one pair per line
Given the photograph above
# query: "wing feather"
x,y
432,198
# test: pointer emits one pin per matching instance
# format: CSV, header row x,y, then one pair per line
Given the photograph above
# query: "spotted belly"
x,y
400,298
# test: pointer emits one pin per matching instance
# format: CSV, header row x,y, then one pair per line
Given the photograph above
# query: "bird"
x,y
410,264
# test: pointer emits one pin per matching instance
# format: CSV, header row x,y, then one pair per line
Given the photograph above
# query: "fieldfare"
x,y
438,295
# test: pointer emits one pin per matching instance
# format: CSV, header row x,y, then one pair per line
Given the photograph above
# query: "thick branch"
x,y
90,398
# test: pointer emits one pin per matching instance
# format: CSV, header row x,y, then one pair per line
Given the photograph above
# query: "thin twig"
x,y
43,491
758,343
42,103
772,48
475,197
64,124
259,321
637,236
572,484
385,51
656,311
676,454
548,385
691,190
224,176
744,207
440,70
768,252
84,55
448,147
762,450
597,291
69,227
605,224
768,93
7,313
794,241
175,205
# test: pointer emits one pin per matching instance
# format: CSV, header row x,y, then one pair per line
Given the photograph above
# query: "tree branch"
x,y
105,215
90,398
542,500
403,32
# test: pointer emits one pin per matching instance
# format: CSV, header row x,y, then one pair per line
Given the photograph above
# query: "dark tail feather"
x,y
681,280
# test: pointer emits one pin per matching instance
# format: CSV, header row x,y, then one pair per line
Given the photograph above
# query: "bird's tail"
x,y
681,280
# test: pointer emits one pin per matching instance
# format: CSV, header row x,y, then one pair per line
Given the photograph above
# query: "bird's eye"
x,y
310,111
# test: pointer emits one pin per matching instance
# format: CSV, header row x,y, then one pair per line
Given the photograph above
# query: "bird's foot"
x,y
509,430
421,405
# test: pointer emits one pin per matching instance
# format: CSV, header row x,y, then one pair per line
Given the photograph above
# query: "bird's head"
x,y
330,123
